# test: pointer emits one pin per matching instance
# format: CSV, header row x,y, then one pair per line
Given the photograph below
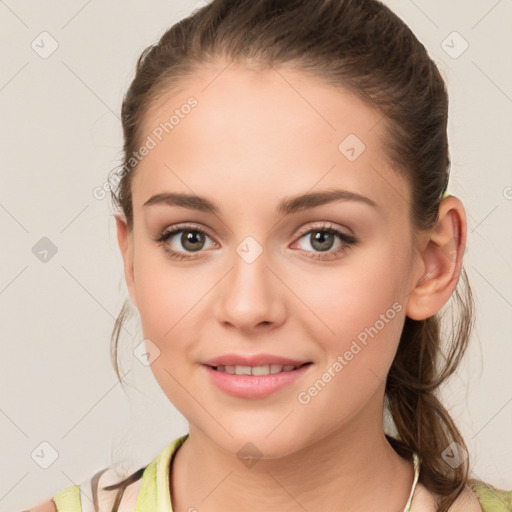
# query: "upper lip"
x,y
253,360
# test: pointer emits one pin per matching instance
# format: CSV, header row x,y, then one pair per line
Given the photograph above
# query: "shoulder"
x,y
426,501
466,502
47,506
107,497
477,496
95,494
91,495
491,498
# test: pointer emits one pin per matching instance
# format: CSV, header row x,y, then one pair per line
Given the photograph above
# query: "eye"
x,y
189,236
322,239
192,240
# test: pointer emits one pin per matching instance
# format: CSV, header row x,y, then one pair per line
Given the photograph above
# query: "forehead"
x,y
253,99
275,132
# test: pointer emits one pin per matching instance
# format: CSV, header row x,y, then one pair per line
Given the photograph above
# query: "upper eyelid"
x,y
301,232
184,226
324,226
305,230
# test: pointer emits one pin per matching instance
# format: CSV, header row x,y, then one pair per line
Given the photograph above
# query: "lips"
x,y
257,383
253,360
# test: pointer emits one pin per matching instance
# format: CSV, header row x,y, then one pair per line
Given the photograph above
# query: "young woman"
x,y
289,243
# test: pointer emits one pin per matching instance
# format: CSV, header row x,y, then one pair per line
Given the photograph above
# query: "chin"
x,y
248,443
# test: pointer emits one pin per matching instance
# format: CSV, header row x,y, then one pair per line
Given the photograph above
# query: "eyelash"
x,y
348,240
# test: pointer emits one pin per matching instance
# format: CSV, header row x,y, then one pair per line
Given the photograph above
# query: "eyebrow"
x,y
285,207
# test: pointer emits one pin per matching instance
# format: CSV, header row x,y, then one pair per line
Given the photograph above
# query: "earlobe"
x,y
125,241
442,261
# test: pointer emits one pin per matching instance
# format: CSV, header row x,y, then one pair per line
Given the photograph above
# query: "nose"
x,y
251,296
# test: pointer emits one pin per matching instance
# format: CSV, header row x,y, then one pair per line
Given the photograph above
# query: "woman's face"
x,y
270,275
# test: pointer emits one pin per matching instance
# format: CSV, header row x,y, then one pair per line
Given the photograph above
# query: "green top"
x,y
154,493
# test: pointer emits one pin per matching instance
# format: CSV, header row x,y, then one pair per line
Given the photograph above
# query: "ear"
x,y
125,240
442,261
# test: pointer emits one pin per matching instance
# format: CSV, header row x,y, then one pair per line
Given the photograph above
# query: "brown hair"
x,y
363,47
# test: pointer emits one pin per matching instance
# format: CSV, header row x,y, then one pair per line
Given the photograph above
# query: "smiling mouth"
x,y
266,369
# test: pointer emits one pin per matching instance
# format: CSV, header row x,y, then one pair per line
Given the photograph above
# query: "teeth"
x,y
242,370
256,370
259,370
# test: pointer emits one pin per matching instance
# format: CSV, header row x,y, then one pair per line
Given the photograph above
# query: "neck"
x,y
352,469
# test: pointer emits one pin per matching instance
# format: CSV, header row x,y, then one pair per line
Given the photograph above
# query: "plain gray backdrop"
x,y
64,69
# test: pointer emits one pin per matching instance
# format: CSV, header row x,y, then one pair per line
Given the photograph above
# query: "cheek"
x,y
168,303
347,299
356,312
174,307
359,347
166,293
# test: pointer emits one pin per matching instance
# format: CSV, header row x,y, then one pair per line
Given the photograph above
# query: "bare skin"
x,y
252,141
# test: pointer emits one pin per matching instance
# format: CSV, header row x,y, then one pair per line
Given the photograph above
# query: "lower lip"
x,y
254,386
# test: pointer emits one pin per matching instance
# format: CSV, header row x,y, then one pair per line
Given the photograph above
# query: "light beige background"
x,y
61,135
